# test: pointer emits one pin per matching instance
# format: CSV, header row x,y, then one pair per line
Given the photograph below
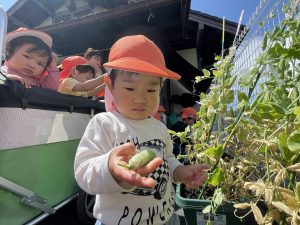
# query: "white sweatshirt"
x,y
115,205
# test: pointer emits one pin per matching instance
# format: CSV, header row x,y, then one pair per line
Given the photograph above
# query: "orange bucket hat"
x,y
139,54
189,112
69,63
20,32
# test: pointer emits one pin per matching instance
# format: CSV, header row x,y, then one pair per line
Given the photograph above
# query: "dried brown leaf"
x,y
295,167
257,214
289,200
282,207
295,218
275,215
268,196
280,177
258,187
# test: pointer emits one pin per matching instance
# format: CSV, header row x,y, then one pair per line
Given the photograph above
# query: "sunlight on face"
x,y
82,77
28,63
136,95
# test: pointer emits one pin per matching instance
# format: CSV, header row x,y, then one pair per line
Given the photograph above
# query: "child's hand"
x,y
27,84
53,63
192,176
127,177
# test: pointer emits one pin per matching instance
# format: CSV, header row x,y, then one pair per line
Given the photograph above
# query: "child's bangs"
x,y
85,68
40,51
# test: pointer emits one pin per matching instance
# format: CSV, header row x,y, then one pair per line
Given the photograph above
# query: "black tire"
x,y
84,208
161,189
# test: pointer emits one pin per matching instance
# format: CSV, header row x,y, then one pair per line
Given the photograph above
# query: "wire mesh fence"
x,y
268,15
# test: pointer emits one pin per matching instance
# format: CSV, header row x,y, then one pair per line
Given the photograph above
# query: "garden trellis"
x,y
268,15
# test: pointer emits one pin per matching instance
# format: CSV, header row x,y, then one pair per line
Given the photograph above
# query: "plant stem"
x,y
267,166
206,183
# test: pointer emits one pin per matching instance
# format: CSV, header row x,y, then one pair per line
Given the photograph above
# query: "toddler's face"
x,y
28,63
95,61
82,77
136,95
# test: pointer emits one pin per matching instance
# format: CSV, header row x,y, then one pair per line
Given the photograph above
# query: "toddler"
x,y
78,78
136,68
29,60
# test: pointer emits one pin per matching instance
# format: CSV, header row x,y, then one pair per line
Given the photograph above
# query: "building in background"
x,y
189,39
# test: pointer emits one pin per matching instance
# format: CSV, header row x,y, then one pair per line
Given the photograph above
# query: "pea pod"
x,y
281,64
297,28
265,41
139,160
297,191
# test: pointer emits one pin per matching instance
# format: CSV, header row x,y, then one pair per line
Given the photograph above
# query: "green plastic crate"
x,y
193,206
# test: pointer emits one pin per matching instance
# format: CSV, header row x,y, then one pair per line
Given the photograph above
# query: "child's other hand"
x,y
53,63
192,176
127,178
27,84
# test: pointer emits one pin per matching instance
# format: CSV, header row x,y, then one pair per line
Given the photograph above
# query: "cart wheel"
x,y
84,207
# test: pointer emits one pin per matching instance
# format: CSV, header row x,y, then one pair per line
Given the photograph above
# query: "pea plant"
x,y
254,148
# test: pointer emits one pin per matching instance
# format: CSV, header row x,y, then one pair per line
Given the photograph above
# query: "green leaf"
x,y
227,96
264,111
277,51
207,209
271,15
293,142
282,144
242,96
206,72
217,177
217,73
216,152
297,111
243,99
218,197
242,134
281,98
260,24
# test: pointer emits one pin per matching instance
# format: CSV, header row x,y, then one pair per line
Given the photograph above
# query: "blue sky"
x,y
231,9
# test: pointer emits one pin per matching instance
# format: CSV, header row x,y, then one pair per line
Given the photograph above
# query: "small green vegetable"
x,y
139,160
265,41
297,191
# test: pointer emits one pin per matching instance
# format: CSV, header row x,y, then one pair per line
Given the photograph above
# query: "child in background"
x,y
29,60
160,115
145,195
188,119
94,57
78,78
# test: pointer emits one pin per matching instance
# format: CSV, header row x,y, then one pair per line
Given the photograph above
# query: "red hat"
x,y
138,54
20,32
189,112
69,63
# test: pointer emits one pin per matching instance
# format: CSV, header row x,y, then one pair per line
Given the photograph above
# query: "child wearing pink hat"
x,y
142,196
78,78
29,60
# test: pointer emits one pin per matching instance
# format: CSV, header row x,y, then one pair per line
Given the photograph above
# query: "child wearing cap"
x,y
188,118
29,60
143,196
78,78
